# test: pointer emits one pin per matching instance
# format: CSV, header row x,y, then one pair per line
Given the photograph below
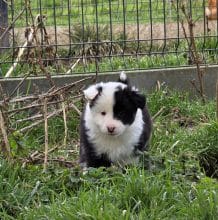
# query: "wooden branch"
x,y
61,161
35,153
12,112
65,121
158,113
30,118
52,149
46,134
19,85
64,162
6,147
57,91
39,23
12,24
69,86
57,112
32,106
29,40
37,156
22,99
194,52
217,100
73,66
195,86
76,109
22,130
49,94
158,86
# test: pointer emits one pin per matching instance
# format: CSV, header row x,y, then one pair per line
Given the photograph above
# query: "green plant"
x,y
175,186
92,41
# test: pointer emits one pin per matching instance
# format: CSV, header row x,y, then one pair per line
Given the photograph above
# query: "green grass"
x,y
173,55
175,186
58,11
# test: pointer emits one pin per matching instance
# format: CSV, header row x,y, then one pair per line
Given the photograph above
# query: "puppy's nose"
x,y
110,129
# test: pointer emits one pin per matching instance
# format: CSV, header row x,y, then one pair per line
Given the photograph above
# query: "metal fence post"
x,y
4,42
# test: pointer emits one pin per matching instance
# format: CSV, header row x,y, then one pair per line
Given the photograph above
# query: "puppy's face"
x,y
113,106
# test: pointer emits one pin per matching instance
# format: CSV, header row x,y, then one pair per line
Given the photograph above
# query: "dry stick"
x,y
6,148
195,86
59,160
158,113
36,155
19,84
65,120
43,69
29,40
73,66
38,116
200,72
30,118
66,163
39,23
57,112
52,149
22,99
3,96
75,98
69,86
193,50
217,100
158,86
49,94
12,24
31,106
31,36
46,134
76,109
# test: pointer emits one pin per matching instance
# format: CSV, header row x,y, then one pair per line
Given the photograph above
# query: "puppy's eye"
x,y
103,113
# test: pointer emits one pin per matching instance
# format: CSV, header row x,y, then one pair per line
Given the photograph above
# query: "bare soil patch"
x,y
157,33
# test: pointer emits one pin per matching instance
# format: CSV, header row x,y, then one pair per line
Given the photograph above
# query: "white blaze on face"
x,y
102,110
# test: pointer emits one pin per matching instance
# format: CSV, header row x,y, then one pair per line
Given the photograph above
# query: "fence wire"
x,y
84,36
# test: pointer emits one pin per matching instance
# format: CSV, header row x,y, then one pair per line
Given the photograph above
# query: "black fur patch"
x,y
142,145
88,155
126,104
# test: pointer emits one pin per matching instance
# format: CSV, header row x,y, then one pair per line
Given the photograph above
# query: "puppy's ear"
x,y
92,92
123,78
139,99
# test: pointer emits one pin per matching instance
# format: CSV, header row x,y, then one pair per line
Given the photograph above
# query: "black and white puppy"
x,y
115,125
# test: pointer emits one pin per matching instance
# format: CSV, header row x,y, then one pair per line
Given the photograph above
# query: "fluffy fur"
x,y
115,125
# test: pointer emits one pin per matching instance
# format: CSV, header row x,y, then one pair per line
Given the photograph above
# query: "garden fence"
x,y
83,36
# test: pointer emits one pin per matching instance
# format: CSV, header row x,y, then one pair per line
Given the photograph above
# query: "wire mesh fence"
x,y
83,36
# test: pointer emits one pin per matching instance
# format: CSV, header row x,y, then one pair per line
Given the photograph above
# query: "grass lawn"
x,y
185,139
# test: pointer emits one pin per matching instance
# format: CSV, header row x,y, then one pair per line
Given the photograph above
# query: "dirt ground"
x,y
158,32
